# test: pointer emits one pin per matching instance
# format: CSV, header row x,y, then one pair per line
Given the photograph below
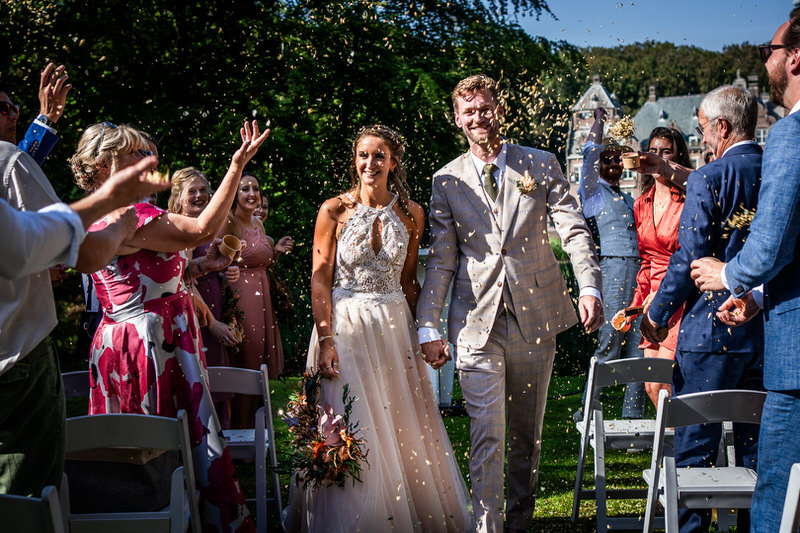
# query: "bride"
x,y
364,288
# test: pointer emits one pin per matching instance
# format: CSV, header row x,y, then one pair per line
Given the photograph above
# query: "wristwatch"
x,y
46,121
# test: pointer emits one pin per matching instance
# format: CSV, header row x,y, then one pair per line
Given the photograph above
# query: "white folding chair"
x,y
790,521
605,434
256,443
146,432
32,515
76,384
720,487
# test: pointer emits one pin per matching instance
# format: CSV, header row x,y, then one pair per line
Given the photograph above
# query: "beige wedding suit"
x,y
508,302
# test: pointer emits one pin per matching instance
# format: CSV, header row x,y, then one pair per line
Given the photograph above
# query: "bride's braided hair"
x,y
397,144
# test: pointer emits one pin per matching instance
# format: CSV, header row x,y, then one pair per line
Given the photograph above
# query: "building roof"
x,y
596,95
679,112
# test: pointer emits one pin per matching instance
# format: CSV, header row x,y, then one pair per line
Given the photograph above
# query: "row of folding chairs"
x,y
254,444
725,486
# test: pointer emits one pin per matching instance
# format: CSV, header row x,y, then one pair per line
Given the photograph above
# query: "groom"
x,y
489,230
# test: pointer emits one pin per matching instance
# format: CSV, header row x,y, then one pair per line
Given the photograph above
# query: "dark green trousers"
x,y
32,415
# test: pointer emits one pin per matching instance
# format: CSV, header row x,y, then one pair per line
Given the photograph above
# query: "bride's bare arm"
x,y
408,278
324,258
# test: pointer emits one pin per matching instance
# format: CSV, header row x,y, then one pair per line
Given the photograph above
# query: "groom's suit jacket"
x,y
467,242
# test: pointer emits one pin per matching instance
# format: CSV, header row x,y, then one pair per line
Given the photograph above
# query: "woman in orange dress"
x,y
658,212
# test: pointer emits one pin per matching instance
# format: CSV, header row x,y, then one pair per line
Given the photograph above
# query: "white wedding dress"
x,y
412,482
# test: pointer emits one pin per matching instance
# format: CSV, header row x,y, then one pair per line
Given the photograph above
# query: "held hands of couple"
x,y
436,353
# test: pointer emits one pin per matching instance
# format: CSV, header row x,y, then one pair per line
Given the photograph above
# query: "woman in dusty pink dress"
x,y
262,338
146,354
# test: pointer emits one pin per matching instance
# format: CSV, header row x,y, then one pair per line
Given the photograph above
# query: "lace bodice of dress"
x,y
359,270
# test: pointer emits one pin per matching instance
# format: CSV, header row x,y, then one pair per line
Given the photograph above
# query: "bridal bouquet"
x,y
325,450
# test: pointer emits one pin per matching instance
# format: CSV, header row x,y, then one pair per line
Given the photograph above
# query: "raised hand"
x,y
252,139
130,184
53,89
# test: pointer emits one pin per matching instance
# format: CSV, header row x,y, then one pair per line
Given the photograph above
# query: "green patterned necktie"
x,y
489,184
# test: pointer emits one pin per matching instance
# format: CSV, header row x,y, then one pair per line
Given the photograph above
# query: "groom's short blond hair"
x,y
476,82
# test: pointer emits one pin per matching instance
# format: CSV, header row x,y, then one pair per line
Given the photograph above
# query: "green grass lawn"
x,y
558,463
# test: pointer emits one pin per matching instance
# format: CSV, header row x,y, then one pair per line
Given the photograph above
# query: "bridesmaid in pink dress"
x,y
147,353
262,339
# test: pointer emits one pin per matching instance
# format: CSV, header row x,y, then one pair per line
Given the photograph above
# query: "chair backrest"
x,y
136,431
624,371
228,379
714,406
76,384
33,515
701,408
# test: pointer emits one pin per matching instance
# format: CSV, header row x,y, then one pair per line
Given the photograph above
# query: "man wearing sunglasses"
x,y
41,136
609,215
771,255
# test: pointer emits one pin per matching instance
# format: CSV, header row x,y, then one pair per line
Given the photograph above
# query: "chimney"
x,y
596,78
752,84
652,95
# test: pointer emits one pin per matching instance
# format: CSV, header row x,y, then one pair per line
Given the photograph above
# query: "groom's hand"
x,y
591,310
436,353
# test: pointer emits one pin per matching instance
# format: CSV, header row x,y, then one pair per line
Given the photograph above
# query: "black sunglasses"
x,y
765,50
607,159
6,107
100,137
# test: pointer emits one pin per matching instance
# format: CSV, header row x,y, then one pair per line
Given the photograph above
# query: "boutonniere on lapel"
x,y
526,184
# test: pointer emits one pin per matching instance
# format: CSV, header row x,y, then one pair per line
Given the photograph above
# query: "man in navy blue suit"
x,y
711,355
41,136
771,256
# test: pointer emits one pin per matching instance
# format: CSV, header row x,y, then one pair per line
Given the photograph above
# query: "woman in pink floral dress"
x,y
147,354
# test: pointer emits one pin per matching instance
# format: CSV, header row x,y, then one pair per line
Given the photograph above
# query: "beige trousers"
x,y
507,379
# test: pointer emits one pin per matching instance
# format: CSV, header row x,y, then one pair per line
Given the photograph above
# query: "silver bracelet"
x,y
326,337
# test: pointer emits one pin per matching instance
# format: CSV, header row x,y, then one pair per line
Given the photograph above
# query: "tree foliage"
x,y
675,70
189,72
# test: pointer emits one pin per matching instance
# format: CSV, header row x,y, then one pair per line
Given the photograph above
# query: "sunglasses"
x,y
765,50
608,159
7,107
103,126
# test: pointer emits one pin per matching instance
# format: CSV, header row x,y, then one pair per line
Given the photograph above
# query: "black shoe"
x,y
577,416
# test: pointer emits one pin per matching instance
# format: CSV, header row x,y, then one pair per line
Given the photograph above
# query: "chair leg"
x,y
260,451
600,473
670,495
576,496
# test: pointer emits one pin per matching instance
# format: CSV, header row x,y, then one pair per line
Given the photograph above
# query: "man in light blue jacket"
x,y
771,256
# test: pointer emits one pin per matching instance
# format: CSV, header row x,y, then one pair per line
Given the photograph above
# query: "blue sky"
x,y
709,24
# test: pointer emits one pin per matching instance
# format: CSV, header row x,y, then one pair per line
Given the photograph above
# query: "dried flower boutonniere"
x,y
526,184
